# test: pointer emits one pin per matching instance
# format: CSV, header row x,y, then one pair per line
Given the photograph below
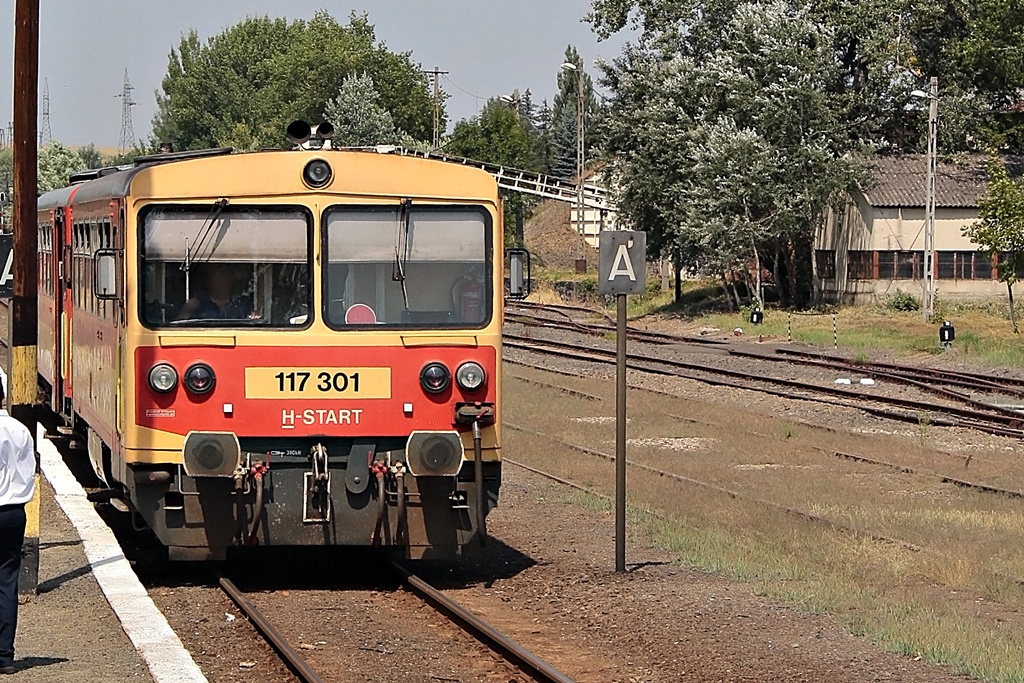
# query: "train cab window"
x,y
412,267
225,267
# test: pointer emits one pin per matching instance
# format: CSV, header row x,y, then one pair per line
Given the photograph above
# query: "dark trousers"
x,y
12,535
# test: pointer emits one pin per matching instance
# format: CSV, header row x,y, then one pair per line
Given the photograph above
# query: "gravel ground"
x,y
545,580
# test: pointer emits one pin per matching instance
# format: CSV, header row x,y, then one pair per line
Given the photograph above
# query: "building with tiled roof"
x,y
873,245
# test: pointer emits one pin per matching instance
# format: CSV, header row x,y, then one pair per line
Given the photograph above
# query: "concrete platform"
x,y
91,619
68,632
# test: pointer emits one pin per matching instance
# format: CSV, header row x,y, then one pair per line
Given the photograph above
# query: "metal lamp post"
x,y
580,159
928,274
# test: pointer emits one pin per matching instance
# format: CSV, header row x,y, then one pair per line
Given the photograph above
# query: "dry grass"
x,y
953,602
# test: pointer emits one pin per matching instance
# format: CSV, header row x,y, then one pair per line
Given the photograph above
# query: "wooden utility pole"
x,y
23,314
437,73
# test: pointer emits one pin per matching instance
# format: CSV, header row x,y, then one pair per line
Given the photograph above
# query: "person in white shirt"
x,y
17,486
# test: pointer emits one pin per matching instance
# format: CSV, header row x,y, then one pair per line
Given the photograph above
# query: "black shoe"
x,y
6,670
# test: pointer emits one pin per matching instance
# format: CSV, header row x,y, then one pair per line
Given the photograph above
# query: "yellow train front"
x,y
282,348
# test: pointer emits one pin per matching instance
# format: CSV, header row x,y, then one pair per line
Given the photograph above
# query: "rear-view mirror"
x,y
105,285
518,273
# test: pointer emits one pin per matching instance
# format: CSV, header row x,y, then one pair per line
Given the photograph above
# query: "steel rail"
x,y
916,380
600,330
1008,425
997,430
934,373
970,380
512,651
296,661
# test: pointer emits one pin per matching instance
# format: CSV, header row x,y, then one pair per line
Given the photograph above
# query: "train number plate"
x,y
332,383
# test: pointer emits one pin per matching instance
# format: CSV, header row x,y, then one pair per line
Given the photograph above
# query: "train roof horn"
x,y
298,132
302,134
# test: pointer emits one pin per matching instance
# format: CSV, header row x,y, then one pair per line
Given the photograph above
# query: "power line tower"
x,y
45,137
127,130
437,73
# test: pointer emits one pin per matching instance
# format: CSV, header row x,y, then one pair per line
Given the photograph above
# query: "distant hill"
x,y
550,237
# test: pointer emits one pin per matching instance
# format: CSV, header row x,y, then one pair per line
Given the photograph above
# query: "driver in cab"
x,y
218,301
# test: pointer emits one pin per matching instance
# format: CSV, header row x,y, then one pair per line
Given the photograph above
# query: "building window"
x,y
947,264
982,267
909,265
860,265
887,265
900,265
965,265
826,264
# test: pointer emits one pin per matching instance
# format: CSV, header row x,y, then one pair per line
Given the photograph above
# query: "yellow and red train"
x,y
283,347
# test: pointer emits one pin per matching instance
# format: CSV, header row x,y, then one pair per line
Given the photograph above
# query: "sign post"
x,y
623,261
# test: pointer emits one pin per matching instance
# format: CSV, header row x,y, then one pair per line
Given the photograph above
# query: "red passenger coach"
x,y
281,348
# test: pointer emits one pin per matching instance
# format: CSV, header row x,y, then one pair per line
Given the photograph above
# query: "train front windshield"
x,y
225,266
407,267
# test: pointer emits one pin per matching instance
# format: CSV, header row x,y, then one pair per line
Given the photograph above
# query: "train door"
x,y
63,310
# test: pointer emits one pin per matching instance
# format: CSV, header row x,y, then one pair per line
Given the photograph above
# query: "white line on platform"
x,y
145,625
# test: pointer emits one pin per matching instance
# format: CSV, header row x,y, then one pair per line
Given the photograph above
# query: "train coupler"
x,y
316,488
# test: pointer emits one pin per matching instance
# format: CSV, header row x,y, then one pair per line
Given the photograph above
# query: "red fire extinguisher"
x,y
469,299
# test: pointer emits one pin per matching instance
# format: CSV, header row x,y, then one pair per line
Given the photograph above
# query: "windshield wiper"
x,y
231,322
203,234
402,248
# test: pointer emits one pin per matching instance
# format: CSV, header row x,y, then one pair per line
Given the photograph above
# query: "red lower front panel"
x,y
302,391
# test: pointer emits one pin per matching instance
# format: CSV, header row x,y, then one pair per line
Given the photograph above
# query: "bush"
x,y
902,301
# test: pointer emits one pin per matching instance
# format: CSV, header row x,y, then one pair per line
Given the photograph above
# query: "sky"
x,y
489,47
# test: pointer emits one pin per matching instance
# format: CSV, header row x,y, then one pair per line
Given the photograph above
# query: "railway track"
x,y
923,377
525,660
980,416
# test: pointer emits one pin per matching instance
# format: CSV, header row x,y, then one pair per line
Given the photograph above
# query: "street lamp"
x,y
581,263
928,300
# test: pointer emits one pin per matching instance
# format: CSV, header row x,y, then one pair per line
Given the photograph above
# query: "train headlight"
x,y
163,378
434,454
199,379
435,378
470,376
317,174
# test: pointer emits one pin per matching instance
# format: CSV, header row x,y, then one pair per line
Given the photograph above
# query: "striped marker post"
x,y
835,332
789,326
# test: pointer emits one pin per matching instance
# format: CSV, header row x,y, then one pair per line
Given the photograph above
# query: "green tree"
x,y
498,135
56,164
358,119
1000,230
739,149
91,156
243,86
883,49
565,117
6,168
